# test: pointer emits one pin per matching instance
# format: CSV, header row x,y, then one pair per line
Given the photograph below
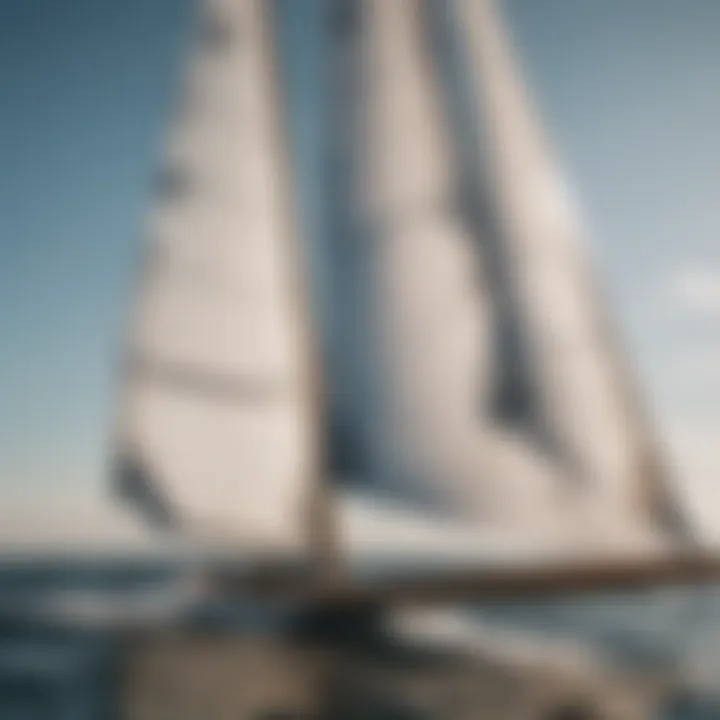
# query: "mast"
x,y
222,404
320,517
588,407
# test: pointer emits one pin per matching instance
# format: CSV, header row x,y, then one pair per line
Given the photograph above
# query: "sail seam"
x,y
196,380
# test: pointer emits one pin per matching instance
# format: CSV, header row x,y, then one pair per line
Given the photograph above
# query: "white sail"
x,y
427,309
432,312
589,419
217,429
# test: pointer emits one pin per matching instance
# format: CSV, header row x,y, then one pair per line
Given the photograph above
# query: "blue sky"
x,y
629,94
85,87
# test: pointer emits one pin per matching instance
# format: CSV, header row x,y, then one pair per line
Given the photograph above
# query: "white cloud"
x,y
696,288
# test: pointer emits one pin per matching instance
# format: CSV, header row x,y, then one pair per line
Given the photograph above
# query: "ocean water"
x,y
200,677
60,658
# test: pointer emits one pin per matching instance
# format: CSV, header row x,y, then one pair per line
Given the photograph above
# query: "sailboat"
x,y
505,451
497,420
505,447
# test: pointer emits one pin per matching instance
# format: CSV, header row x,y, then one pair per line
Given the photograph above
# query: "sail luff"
x,y
600,435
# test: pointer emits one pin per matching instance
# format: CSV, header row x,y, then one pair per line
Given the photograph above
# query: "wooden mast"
x,y
321,520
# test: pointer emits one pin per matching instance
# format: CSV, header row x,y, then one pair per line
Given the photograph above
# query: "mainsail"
x,y
581,466
219,427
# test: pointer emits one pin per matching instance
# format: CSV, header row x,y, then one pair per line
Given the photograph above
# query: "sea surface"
x,y
101,644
